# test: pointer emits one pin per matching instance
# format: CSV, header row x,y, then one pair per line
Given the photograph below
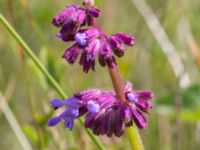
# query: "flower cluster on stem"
x,y
106,112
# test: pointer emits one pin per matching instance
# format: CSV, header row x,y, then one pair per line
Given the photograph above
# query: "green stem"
x,y
134,138
55,85
132,132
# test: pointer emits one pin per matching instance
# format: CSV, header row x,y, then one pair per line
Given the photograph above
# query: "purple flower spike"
x,y
105,113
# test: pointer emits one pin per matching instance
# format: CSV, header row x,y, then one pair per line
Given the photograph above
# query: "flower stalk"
x,y
132,132
117,83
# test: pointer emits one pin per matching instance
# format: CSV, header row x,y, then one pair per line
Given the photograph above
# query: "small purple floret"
x,y
69,123
56,103
71,54
94,12
88,56
106,55
93,106
118,42
81,38
126,38
71,112
54,121
131,97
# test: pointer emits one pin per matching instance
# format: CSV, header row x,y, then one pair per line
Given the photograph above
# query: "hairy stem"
x,y
36,61
132,132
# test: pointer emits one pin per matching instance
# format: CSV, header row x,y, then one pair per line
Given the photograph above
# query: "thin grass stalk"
x,y
164,42
14,124
36,61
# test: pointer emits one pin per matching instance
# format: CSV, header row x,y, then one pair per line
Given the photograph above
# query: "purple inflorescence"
x,y
105,113
90,41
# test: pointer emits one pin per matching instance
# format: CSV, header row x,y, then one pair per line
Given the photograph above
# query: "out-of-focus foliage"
x,y
174,122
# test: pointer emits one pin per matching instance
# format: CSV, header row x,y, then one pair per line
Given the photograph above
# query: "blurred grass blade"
x,y
163,40
30,53
53,82
14,124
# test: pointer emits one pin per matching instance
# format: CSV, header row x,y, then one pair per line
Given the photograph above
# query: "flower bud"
x,y
88,3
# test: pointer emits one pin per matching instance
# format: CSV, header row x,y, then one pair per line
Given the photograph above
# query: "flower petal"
x,y
56,103
94,12
69,123
71,54
54,121
144,95
93,106
126,38
139,119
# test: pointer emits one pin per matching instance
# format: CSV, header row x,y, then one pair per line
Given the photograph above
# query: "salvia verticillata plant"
x,y
106,112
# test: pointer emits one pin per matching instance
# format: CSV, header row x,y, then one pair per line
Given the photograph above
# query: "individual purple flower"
x,y
71,54
118,42
72,105
88,55
88,44
106,55
84,37
91,14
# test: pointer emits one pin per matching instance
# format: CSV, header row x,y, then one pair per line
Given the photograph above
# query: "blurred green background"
x,y
174,122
